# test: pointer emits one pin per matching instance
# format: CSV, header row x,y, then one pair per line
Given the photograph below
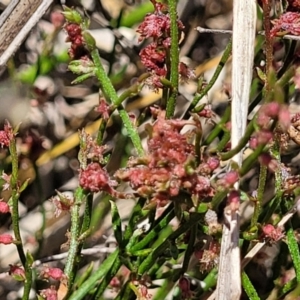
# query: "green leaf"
x,y
81,66
29,259
83,77
24,185
72,15
89,40
87,273
249,288
28,74
294,251
90,283
116,222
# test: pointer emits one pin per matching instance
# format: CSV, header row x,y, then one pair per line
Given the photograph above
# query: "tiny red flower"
x,y
62,202
53,273
6,239
288,22
18,273
272,232
6,179
103,109
4,207
57,19
185,287
94,178
49,294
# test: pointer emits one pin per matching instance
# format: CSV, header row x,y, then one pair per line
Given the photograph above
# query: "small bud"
x,y
274,233
72,15
6,239
53,273
213,163
4,207
57,19
81,66
185,287
17,273
231,178
49,294
234,200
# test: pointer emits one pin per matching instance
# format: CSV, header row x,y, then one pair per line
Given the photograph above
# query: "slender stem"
x,y
15,217
74,233
106,280
15,200
267,5
111,94
91,282
150,260
242,143
174,59
224,58
260,194
219,127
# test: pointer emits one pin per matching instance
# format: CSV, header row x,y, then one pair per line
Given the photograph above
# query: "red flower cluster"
x,y
74,33
95,179
272,232
288,23
6,135
53,273
154,56
170,165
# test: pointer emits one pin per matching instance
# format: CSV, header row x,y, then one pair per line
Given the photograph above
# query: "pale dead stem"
x,y
16,21
243,40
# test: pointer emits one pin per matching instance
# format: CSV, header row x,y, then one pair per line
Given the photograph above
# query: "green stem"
x,y
210,280
111,94
174,59
135,216
224,58
15,218
242,143
251,159
106,280
190,249
15,200
294,251
249,288
164,290
219,127
90,283
154,232
73,254
150,260
260,194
